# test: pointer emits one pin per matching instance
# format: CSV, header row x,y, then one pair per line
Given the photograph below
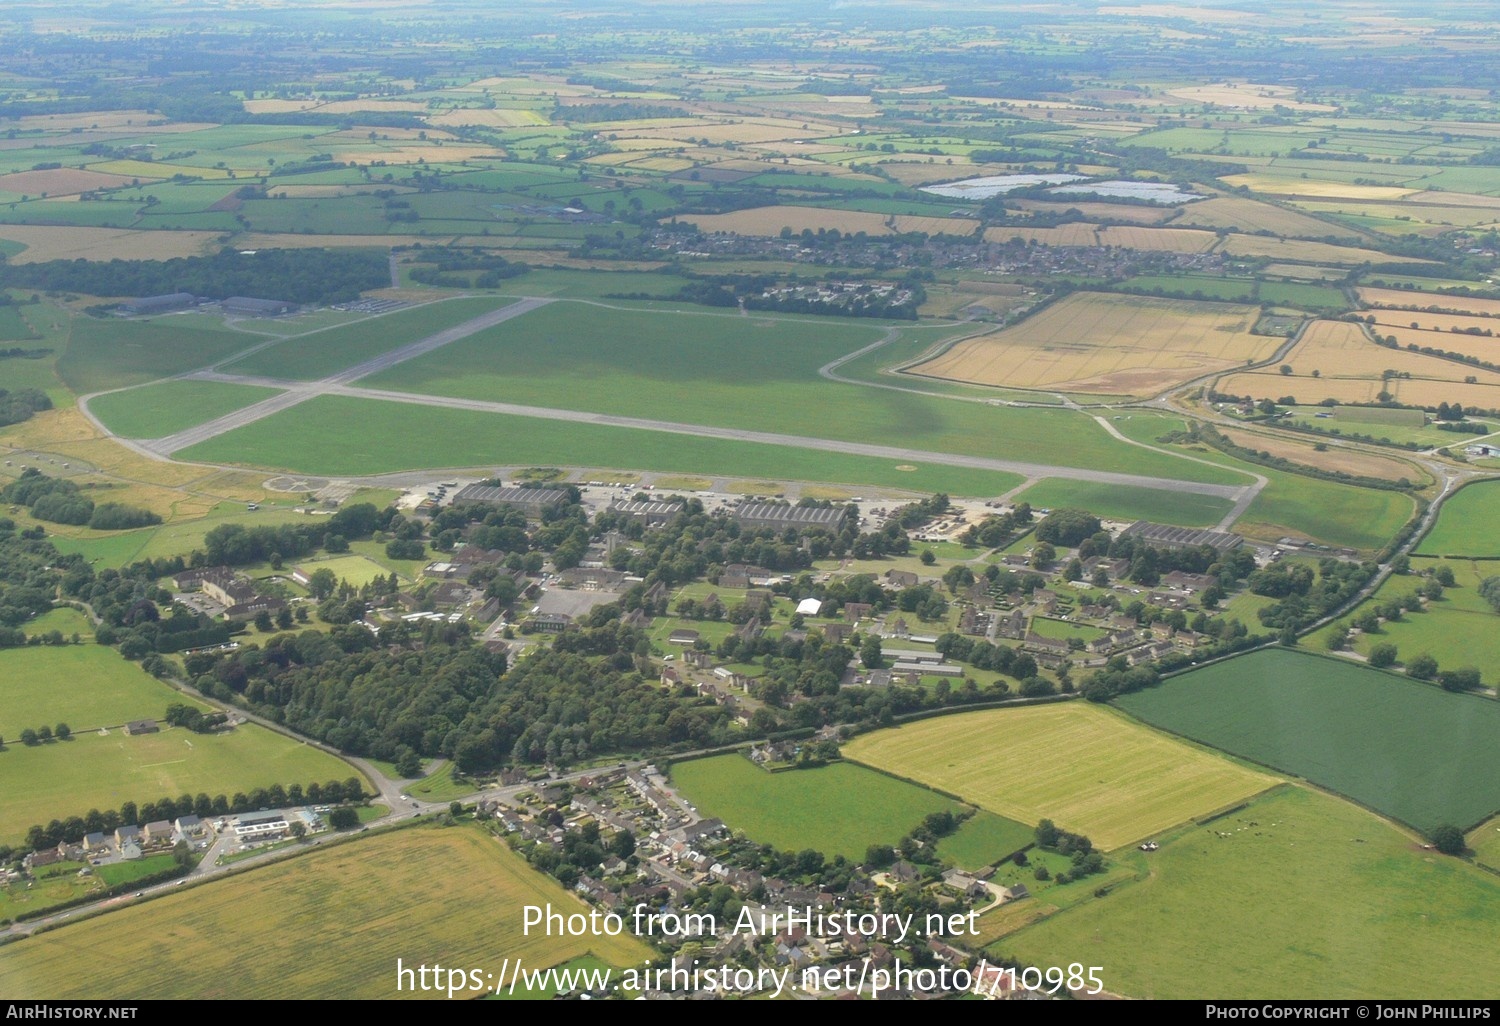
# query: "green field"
x,y
340,436
112,353
336,923
93,771
1086,768
357,570
175,539
984,839
84,686
1360,518
840,809
321,353
1406,749
1298,895
154,411
1458,630
1468,524
1119,502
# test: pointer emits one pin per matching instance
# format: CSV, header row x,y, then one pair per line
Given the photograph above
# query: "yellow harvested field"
x,y
1483,347
1442,323
1240,213
1247,96
499,117
1158,240
1087,768
748,131
144,169
138,121
1064,235
1295,250
1352,370
331,923
1426,213
664,164
1401,299
46,242
1099,211
1336,457
1311,188
275,240
1457,199
1110,345
63,181
371,104
320,191
770,221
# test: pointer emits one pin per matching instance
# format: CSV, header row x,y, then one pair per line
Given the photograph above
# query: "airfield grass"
x,y
984,839
341,919
1409,750
839,809
1457,630
84,686
1320,897
1121,502
1467,525
66,778
340,436
1086,768
155,411
321,353
114,353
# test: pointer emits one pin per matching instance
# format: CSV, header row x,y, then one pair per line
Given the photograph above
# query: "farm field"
x,y
771,220
154,411
1317,894
1298,251
839,809
1405,300
84,686
1335,360
1106,344
61,779
57,242
321,353
1467,525
1358,463
332,932
1237,211
1117,502
1403,748
1119,782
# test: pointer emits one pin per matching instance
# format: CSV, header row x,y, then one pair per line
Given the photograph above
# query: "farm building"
x,y
780,516
245,306
1165,536
531,501
652,514
158,304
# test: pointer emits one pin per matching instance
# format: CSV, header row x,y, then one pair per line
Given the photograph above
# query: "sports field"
x,y
84,686
1406,749
357,570
839,809
339,921
154,411
62,779
1106,344
1086,768
1298,894
1467,525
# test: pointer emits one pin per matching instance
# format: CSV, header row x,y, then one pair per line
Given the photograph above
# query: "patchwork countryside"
x,y
656,500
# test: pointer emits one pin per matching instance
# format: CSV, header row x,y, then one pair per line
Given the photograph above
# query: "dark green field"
x,y
839,809
1409,750
983,839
